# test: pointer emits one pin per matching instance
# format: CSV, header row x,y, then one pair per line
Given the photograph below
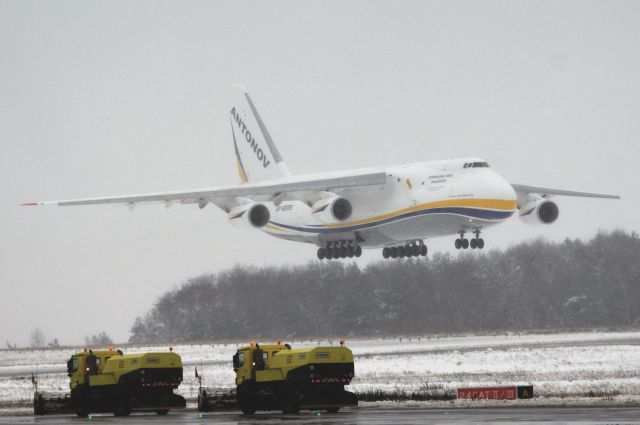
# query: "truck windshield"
x,y
72,365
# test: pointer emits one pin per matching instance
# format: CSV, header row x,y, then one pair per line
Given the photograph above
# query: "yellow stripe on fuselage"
x,y
492,204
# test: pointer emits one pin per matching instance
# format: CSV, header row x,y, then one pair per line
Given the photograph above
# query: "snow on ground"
x,y
558,365
554,371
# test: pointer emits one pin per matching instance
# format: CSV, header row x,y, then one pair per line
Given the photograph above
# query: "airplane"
x,y
395,208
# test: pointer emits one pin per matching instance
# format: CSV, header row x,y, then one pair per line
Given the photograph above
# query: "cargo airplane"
x,y
395,208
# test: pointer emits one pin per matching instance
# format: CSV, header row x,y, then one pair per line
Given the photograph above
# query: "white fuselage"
x,y
419,201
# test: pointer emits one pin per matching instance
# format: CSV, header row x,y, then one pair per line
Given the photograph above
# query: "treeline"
x,y
533,285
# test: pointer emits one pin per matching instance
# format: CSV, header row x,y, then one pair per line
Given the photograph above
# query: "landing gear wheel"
x,y
400,252
320,253
415,250
480,243
328,254
458,243
358,252
393,252
343,252
351,252
474,243
385,253
465,243
336,252
423,250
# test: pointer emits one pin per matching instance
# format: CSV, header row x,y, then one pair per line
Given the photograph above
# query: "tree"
x,y
531,285
99,340
37,338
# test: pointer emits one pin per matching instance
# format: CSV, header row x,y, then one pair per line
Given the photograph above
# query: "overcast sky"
x,y
111,98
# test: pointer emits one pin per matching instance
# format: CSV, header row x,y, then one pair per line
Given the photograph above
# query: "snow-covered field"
x,y
563,365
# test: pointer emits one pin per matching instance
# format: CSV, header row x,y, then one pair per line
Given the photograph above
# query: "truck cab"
x,y
254,362
81,366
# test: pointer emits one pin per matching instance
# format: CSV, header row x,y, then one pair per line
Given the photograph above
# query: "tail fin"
x,y
258,157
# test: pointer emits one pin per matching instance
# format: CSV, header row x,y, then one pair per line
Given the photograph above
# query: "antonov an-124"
x,y
394,208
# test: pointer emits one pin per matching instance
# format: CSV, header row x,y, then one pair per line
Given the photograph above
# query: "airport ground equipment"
x,y
278,377
111,382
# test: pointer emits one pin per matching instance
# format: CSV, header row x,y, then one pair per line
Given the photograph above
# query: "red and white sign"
x,y
489,393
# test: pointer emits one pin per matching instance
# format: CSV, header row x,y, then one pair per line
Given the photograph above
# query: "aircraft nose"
x,y
484,184
502,188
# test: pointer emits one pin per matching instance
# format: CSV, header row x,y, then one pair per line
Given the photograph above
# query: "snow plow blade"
x,y
212,399
49,403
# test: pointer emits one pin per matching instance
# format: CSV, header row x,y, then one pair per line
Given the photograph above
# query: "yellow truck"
x,y
110,381
278,377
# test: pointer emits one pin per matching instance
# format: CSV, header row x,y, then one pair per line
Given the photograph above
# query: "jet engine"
x,y
540,211
332,209
252,214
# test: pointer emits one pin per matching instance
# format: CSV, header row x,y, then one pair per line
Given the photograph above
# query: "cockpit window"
x,y
476,165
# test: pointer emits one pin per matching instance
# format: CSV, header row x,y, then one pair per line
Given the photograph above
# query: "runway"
x,y
407,416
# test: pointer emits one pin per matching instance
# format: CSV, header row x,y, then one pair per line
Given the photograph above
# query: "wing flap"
x,y
224,196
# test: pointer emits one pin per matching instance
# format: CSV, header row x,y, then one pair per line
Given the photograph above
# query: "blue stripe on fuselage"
x,y
469,212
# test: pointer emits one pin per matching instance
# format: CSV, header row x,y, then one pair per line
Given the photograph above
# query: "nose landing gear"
x,y
476,242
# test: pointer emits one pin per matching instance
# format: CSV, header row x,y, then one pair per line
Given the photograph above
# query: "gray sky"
x,y
109,98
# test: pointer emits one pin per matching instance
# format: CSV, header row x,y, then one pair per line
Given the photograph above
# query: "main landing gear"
x,y
476,242
414,249
340,249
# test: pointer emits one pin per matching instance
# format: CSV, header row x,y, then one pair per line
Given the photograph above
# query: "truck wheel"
x,y
122,406
80,401
247,410
82,413
290,407
290,404
162,412
122,411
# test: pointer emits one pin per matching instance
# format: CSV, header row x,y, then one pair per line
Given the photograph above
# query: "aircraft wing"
x,y
522,189
225,197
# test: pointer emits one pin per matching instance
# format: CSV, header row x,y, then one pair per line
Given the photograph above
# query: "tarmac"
x,y
407,416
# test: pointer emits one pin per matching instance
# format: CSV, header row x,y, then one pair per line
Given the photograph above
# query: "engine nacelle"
x,y
540,211
332,209
251,214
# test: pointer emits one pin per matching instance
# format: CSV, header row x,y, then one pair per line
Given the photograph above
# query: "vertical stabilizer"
x,y
257,156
